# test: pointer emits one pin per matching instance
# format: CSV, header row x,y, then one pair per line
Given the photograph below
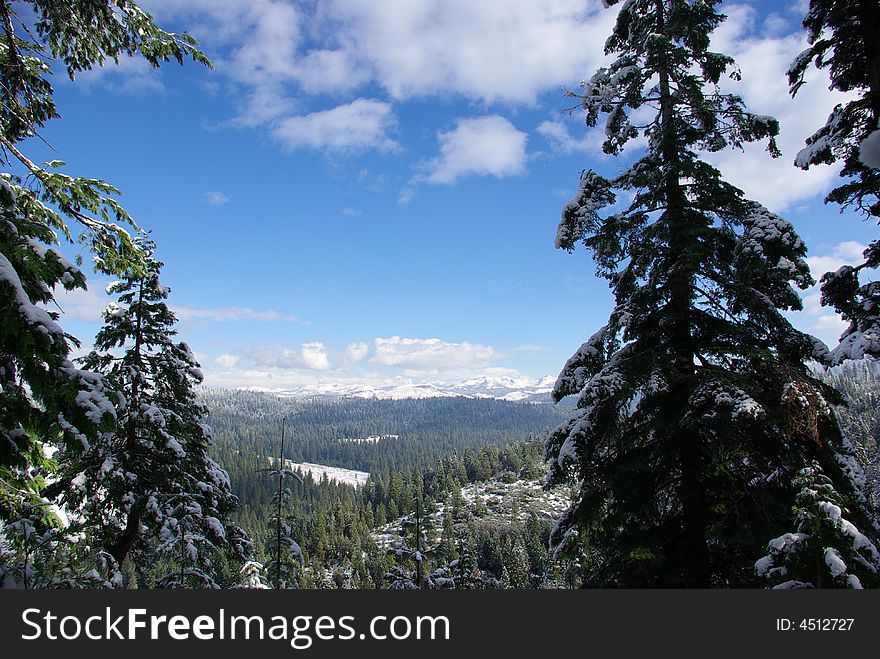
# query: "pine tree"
x,y
516,562
286,556
826,549
252,576
695,411
400,578
150,485
465,569
413,545
45,400
843,39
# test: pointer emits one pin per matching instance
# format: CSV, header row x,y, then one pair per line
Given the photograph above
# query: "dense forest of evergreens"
x,y
426,429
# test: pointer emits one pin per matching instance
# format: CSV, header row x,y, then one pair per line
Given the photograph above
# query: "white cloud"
x,y
562,141
215,198
493,51
764,58
314,356
361,124
226,361
357,352
87,306
277,52
849,252
386,361
83,305
234,314
484,146
816,319
426,354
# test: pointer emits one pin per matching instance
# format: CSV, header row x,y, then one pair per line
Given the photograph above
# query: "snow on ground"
x,y
333,474
492,501
372,439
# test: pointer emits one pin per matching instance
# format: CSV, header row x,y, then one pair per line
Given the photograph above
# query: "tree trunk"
x,y
119,549
695,568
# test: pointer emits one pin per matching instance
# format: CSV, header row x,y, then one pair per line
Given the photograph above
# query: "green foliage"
x,y
45,401
843,40
695,410
149,486
826,549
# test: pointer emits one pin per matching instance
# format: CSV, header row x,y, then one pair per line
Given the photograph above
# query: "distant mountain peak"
x,y
495,387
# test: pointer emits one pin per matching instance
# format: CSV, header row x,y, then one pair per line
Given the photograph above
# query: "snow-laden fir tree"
x,y
252,576
150,486
465,569
412,546
826,549
695,410
44,399
843,37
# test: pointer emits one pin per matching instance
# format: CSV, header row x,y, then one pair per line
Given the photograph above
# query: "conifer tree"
x,y
252,576
516,562
826,549
843,37
465,569
413,545
286,556
44,399
695,410
150,485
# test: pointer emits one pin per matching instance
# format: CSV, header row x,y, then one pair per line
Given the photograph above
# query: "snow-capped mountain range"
x,y
500,388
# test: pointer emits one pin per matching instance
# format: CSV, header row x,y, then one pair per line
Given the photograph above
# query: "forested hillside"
x,y
247,432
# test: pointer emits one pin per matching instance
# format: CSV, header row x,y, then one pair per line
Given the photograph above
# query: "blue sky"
x,y
369,191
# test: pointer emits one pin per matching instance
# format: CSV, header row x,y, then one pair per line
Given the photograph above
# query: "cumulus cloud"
x,y
386,361
561,140
426,354
483,146
849,252
764,57
276,54
816,319
357,352
493,51
312,356
361,124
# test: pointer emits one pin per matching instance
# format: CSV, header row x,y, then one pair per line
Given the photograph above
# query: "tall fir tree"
x,y
843,36
46,401
695,410
286,556
150,486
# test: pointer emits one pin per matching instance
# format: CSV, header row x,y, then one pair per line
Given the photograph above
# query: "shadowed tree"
x,y
695,408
